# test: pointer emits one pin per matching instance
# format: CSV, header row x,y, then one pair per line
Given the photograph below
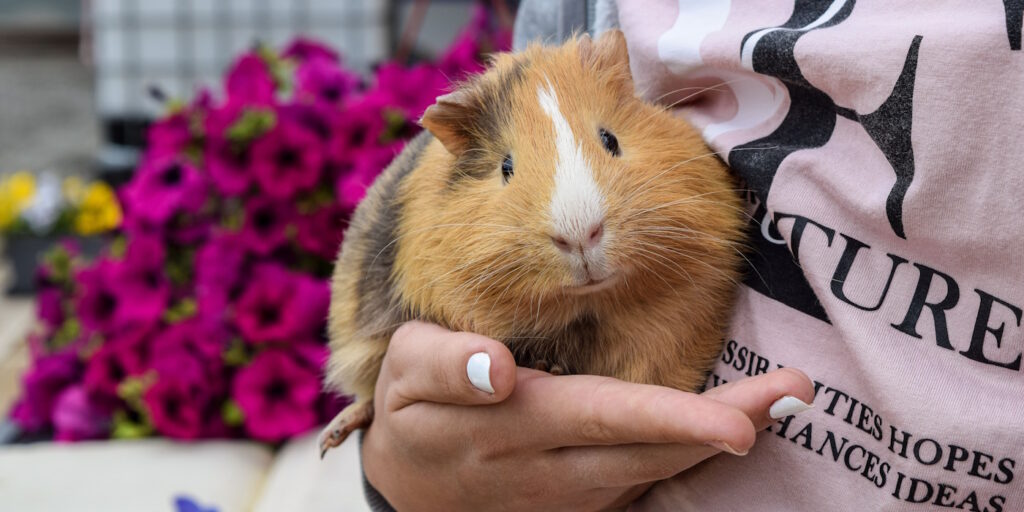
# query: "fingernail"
x,y
721,445
787,406
479,371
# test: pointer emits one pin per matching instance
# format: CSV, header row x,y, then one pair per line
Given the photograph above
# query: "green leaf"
x,y
118,247
67,332
232,414
236,353
395,120
250,125
180,311
125,428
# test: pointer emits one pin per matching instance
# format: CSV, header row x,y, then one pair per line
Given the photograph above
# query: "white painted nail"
x,y
479,371
787,406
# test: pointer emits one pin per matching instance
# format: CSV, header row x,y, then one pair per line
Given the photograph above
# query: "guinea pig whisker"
x,y
643,186
699,91
711,267
684,200
672,265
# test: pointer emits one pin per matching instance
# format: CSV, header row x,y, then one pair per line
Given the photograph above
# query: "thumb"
x,y
769,396
428,363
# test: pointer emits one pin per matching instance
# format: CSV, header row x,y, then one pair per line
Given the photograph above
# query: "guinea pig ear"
x,y
450,119
609,52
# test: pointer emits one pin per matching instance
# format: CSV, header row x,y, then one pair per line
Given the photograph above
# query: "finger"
x,y
756,395
426,362
579,410
627,464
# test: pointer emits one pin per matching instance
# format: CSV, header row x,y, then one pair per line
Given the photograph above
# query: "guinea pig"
x,y
547,207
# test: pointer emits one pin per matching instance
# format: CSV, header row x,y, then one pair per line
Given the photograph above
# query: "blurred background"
x,y
81,84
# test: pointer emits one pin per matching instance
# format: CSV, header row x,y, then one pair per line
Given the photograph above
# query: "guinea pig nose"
x,y
579,239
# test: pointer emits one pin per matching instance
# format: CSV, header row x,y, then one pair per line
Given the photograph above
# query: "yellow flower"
x,y
74,189
16,192
99,210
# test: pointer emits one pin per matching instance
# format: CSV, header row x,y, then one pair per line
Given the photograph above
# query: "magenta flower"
x,y
323,81
360,126
226,161
278,396
50,307
169,136
176,406
412,89
41,385
281,306
250,81
98,302
78,417
162,188
139,280
191,350
113,362
351,187
239,205
287,159
317,118
480,36
303,49
320,232
228,165
266,225
220,266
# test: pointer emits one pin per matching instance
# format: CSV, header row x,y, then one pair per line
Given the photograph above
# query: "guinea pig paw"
x,y
544,366
355,416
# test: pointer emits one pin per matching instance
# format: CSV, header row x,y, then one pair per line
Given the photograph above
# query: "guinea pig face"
x,y
575,186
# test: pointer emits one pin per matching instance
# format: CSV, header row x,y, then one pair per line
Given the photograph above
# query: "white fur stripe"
x,y
577,204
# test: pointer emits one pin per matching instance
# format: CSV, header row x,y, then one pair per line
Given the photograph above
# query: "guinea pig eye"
x,y
610,142
506,168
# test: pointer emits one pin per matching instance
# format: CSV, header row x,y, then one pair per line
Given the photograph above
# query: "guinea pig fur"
x,y
547,207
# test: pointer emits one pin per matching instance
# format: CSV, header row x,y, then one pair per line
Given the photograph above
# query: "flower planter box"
x,y
24,252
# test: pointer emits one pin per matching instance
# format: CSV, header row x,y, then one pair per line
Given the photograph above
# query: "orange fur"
x,y
473,253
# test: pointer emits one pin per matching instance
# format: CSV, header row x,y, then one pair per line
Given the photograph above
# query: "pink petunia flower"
x,y
162,187
78,417
266,225
412,89
116,360
50,307
359,126
281,306
287,159
250,81
41,385
278,396
98,302
220,265
303,49
192,350
140,282
176,407
351,187
320,232
323,81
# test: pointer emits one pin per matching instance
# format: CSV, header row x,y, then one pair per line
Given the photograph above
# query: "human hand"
x,y
574,442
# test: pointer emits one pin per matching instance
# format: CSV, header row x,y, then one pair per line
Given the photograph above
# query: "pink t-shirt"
x,y
883,146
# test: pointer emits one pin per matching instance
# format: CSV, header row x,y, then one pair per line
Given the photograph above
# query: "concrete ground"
x,y
16,319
